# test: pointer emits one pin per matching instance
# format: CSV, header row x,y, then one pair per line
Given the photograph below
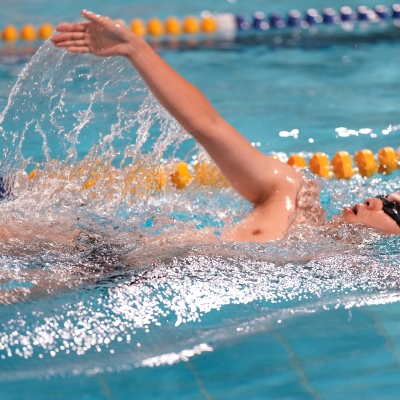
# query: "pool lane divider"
x,y
181,175
341,165
27,33
230,24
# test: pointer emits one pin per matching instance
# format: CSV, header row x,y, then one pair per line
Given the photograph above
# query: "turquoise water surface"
x,y
113,316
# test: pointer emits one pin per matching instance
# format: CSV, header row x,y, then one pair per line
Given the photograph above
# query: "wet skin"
x,y
370,213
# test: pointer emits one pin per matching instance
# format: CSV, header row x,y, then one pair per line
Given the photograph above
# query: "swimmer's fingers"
x,y
78,27
72,43
68,36
78,49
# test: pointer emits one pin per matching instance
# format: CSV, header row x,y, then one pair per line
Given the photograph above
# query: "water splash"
x,y
100,145
60,100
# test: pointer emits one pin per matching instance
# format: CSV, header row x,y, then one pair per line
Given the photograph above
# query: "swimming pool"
x,y
179,318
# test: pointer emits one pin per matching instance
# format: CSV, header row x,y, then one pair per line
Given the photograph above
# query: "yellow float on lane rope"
x,y
45,31
10,33
296,160
191,25
173,26
28,33
208,25
138,27
319,165
181,177
155,27
366,163
209,175
342,165
388,160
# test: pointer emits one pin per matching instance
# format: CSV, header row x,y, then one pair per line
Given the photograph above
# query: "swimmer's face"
x,y
371,213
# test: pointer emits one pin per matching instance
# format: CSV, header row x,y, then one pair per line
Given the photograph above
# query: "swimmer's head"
x,y
381,212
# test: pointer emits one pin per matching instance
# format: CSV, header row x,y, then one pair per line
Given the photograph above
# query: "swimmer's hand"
x,y
102,36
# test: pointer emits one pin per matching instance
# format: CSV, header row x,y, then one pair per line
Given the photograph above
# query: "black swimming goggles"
x,y
391,208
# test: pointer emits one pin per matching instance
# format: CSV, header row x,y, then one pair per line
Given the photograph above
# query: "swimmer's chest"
x,y
262,225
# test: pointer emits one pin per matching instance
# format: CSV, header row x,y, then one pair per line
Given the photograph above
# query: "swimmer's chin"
x,y
347,214
346,218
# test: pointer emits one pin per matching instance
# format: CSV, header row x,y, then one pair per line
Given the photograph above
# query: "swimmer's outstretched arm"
x,y
255,176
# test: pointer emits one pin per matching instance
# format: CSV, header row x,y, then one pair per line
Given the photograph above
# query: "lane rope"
x,y
228,24
180,175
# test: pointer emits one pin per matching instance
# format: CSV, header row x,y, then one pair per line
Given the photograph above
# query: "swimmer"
x,y
276,190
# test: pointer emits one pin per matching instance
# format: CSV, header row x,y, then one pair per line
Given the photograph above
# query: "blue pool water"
x,y
313,316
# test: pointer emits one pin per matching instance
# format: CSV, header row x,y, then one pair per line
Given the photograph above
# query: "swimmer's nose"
x,y
373,203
